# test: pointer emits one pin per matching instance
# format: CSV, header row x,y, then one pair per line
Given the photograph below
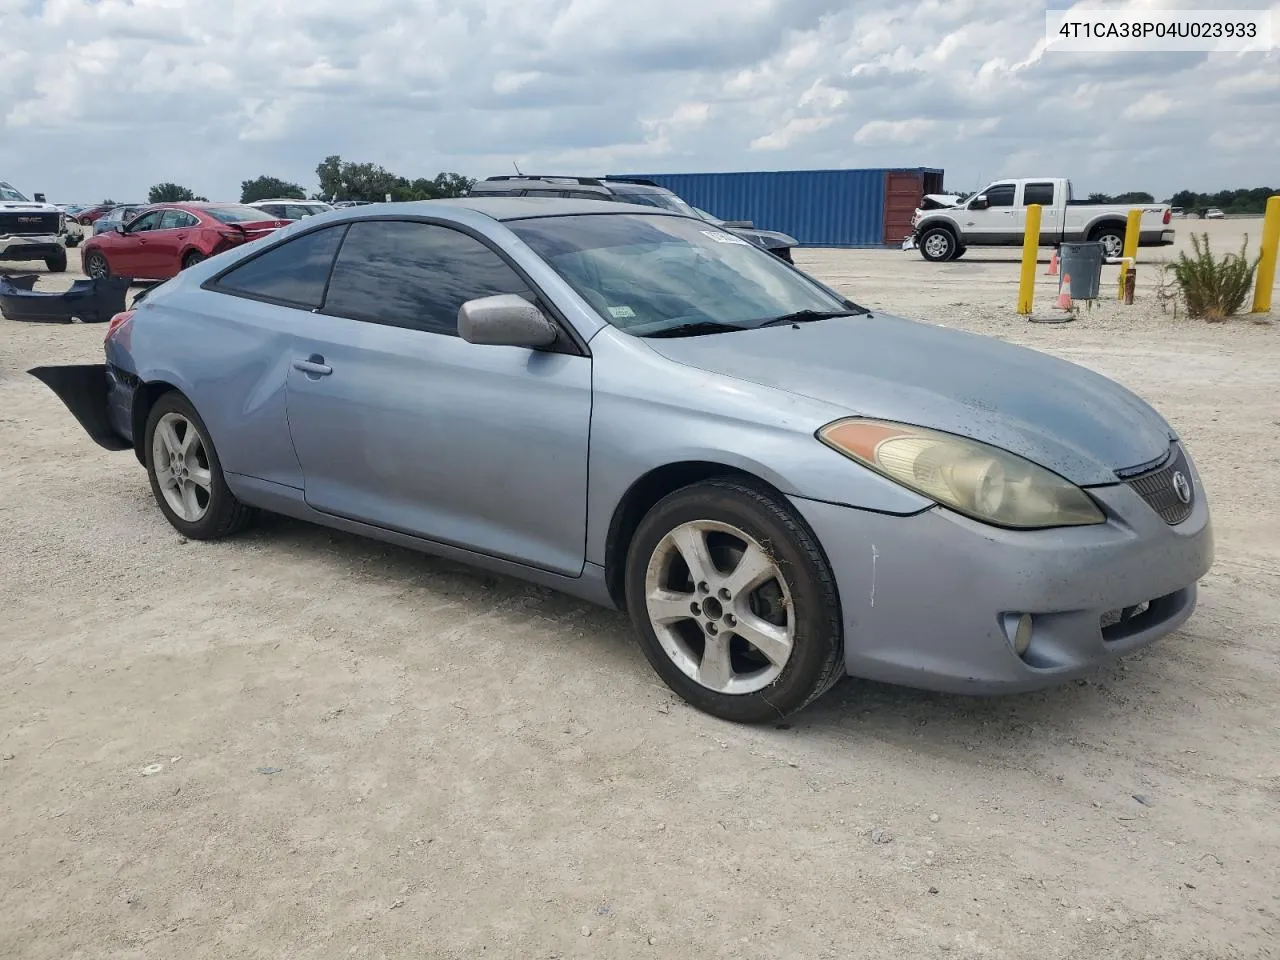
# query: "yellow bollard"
x,y
1030,247
1266,276
1131,232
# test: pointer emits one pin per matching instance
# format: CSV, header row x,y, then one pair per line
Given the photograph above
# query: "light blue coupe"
x,y
646,411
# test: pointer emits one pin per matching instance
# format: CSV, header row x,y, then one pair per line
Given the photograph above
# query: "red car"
x,y
169,237
89,215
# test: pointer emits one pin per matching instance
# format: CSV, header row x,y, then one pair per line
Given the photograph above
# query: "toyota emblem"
x,y
1182,486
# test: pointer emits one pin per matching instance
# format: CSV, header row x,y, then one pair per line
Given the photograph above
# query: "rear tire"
x,y
58,262
1112,237
938,245
192,258
750,631
186,476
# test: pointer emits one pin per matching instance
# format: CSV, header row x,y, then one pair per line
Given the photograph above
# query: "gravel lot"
x,y
301,744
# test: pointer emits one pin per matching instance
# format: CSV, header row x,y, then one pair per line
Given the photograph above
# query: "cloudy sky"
x,y
106,97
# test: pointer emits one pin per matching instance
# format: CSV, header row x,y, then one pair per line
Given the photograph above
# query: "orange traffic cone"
x,y
1053,265
1064,293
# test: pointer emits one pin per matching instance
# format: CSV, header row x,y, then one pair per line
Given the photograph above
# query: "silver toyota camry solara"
x,y
633,406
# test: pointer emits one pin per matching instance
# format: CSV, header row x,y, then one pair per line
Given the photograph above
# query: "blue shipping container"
x,y
820,208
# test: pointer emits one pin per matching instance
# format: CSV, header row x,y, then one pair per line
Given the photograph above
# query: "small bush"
x,y
1212,288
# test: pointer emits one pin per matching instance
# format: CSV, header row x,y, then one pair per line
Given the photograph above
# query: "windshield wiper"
x,y
808,316
695,328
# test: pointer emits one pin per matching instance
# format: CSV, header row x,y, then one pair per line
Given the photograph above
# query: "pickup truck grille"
x,y
1165,488
35,223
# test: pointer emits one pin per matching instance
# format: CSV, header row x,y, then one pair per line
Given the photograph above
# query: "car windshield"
x,y
236,213
7,192
710,218
647,274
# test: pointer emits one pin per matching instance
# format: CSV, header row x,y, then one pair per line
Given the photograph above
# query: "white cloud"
x,y
105,97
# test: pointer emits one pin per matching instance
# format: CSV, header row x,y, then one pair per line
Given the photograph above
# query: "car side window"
x,y
1041,193
148,221
172,219
414,275
295,211
1000,196
293,274
272,209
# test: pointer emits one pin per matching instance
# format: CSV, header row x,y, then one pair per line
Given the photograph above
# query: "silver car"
x,y
648,412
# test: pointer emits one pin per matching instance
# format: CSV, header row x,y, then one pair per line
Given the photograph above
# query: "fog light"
x,y
1022,635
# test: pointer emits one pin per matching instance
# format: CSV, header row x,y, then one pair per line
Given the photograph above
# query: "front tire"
x,y
186,476
734,601
938,245
96,265
57,263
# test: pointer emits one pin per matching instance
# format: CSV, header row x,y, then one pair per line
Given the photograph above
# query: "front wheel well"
x,y
145,397
641,497
1099,228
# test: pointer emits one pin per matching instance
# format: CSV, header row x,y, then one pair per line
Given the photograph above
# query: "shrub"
x,y
1212,288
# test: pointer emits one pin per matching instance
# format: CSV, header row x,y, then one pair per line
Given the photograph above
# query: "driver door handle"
x,y
314,366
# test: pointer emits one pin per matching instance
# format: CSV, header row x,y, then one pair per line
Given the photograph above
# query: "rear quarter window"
x,y
293,274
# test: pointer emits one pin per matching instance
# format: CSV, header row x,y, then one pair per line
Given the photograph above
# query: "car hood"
x,y
1075,422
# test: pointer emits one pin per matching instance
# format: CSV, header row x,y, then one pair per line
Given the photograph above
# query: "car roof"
x,y
254,203
530,181
506,208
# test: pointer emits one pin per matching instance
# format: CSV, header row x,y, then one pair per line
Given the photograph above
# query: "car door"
x,y
168,241
399,422
130,252
1041,192
988,218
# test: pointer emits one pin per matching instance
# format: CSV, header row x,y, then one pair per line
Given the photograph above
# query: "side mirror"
x,y
119,228
506,320
979,203
39,198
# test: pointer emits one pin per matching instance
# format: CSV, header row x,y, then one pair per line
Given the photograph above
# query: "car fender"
x,y
938,220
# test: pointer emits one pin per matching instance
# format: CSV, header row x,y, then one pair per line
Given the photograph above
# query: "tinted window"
x,y
414,275
292,273
1041,193
1001,196
172,219
148,221
275,209
296,211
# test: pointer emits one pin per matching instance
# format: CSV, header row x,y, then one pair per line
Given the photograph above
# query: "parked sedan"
x,y
117,216
170,237
292,209
779,485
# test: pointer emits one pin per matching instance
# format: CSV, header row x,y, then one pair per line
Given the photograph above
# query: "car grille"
x,y
1164,487
19,222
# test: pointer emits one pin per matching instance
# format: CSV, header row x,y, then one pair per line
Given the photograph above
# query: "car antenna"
x,y
517,166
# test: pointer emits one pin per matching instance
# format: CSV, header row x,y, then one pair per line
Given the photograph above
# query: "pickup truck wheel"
x,y
938,245
960,251
57,263
1112,239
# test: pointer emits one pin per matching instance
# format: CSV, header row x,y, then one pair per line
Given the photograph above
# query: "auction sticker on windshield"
x,y
719,236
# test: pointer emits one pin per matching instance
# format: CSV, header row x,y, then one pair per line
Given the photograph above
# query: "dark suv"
x,y
625,190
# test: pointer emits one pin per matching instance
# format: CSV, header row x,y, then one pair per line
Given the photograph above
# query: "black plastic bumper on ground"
x,y
83,388
89,301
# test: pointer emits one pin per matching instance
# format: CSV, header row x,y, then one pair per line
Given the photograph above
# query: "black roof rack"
x,y
643,181
585,181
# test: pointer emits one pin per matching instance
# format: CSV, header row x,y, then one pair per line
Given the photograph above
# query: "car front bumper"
x,y
23,247
931,600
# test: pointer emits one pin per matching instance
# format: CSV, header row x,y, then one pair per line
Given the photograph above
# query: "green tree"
x,y
344,180
170,193
265,188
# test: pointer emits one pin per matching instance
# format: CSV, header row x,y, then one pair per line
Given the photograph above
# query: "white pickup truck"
x,y
32,229
997,217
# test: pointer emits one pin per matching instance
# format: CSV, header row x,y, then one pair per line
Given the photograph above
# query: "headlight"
x,y
980,481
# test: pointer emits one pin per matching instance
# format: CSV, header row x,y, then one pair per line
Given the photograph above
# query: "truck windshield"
x,y
7,192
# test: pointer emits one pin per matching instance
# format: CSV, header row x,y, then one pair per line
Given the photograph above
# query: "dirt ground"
x,y
302,744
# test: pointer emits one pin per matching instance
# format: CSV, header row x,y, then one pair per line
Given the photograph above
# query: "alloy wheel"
x,y
720,607
181,464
